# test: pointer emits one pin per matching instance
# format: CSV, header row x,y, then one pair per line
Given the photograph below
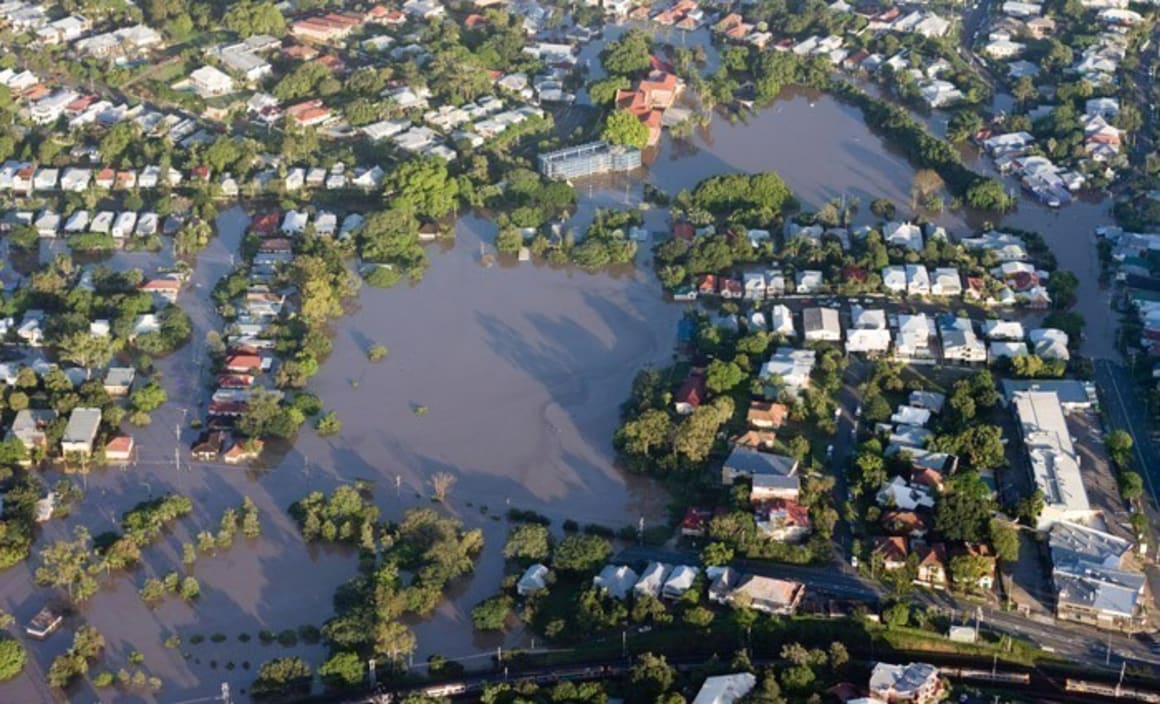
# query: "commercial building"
x,y
1094,577
1054,461
588,160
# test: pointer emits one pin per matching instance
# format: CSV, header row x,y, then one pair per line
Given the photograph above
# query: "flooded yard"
x,y
522,369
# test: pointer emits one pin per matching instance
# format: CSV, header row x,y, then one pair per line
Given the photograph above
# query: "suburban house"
x,y
897,493
534,579
81,431
680,580
784,520
29,427
652,580
165,289
616,580
893,552
789,369
769,595
932,565
917,682
649,100
781,321
744,462
691,394
209,82
208,446
119,449
766,415
724,689
119,381
821,324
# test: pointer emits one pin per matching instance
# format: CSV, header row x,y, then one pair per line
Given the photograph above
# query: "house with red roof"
x,y
119,449
243,363
164,289
892,550
649,100
784,520
696,521
265,224
932,565
691,394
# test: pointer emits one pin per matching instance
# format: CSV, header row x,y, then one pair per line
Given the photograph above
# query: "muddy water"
x,y
521,367
522,370
823,150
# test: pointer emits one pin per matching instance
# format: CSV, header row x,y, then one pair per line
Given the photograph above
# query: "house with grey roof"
x,y
81,431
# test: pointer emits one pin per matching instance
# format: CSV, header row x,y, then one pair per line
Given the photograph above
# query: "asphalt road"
x,y
1072,641
1127,410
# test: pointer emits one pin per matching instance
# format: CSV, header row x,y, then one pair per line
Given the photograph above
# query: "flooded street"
x,y
823,150
522,369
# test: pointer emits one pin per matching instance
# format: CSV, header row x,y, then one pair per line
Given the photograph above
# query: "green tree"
x,y
528,541
68,564
343,669
1119,445
628,55
581,553
86,350
622,127
603,92
650,676
149,397
717,554
1005,540
491,614
963,511
13,656
424,186
897,615
721,376
282,676
1131,486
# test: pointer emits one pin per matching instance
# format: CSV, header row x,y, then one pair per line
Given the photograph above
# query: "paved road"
x,y
1127,410
1075,642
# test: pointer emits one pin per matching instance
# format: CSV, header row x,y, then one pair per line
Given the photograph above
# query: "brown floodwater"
x,y
522,369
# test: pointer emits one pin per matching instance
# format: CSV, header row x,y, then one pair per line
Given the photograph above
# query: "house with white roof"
x,y
809,281
294,222
903,234
1003,330
946,282
894,279
1049,343
616,580
912,339
917,280
209,82
791,368
781,319
899,494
